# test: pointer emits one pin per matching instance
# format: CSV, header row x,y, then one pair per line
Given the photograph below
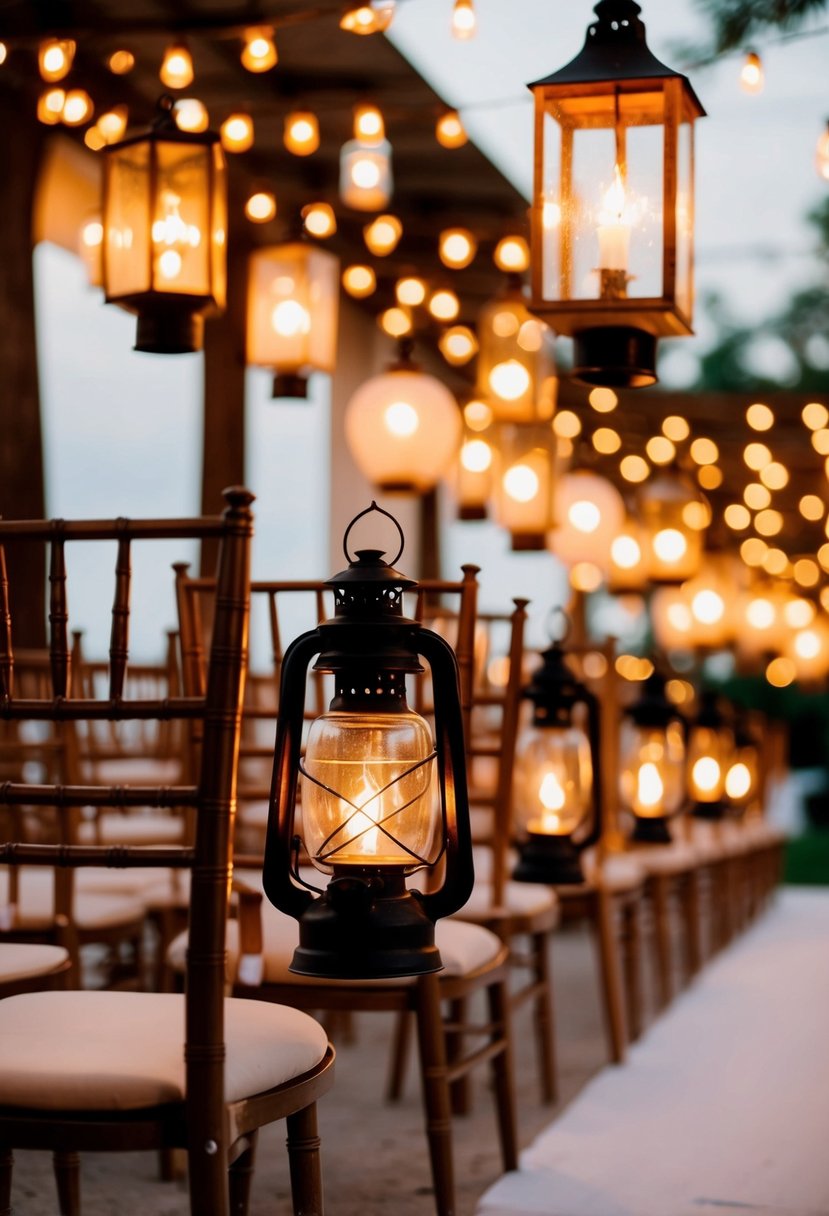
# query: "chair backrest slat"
x,y
119,638
58,614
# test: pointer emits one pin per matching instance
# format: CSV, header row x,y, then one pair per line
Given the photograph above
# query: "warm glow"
x,y
401,419
696,516
319,220
603,400
737,516
410,291
566,424
806,572
634,468
464,23
261,207
626,552
92,234
55,58
706,774
509,380
93,139
676,428
670,545
396,322
77,108
450,132
444,305
815,415
372,18
586,577
259,50
50,106
650,788
521,483
751,74
457,247
768,523
710,476
301,133
753,550
759,417
112,124
476,456
775,562
823,558
757,456
775,475
177,67
585,516
551,795
236,133
477,415
708,607
820,441
174,235
614,225
359,281
704,451
760,613
756,496
289,319
120,63
191,115
660,449
807,644
679,691
606,440
781,672
458,345
512,255
738,781
369,127
382,235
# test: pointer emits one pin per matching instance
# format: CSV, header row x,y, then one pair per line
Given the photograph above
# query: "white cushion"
x,y
619,872
132,829
519,899
482,861
125,1050
135,770
674,858
463,947
253,814
135,881
22,961
91,910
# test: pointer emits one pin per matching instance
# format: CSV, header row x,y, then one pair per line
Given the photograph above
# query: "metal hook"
x,y
380,511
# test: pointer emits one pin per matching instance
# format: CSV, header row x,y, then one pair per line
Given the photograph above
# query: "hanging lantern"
x,y
628,567
403,427
589,512
176,70
524,489
516,372
557,788
613,202
259,52
293,299
165,232
381,799
652,756
301,132
365,163
710,755
712,598
474,476
671,509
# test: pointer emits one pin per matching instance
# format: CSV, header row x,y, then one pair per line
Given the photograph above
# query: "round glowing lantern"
x,y
589,513
652,757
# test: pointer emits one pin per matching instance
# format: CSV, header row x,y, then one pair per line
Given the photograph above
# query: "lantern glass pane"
x,y
553,780
127,221
293,295
685,218
652,781
181,230
373,798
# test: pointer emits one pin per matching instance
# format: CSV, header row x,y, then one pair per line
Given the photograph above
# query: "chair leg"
x,y
460,1090
304,1162
240,1177
691,914
6,1167
632,942
545,1016
662,939
67,1167
399,1056
503,1074
436,1101
605,935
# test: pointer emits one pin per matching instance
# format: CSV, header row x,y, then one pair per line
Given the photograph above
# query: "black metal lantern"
x,y
165,232
710,752
558,776
652,778
381,799
613,204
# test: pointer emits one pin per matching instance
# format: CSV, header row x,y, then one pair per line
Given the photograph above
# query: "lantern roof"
x,y
615,49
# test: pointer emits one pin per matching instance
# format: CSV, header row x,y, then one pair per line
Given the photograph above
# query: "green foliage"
x,y
735,22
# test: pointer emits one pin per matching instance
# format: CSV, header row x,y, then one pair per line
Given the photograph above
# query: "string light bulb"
x,y
450,131
176,70
54,58
121,62
410,291
374,18
822,154
259,52
319,220
301,132
77,108
752,77
236,133
50,106
458,345
4,52
191,115
112,124
444,305
464,21
512,255
382,235
359,281
457,248
261,207
369,126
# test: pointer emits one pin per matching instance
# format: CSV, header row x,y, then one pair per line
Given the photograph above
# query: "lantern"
x,y
742,780
652,780
671,509
403,427
474,476
557,784
365,163
613,202
165,231
589,512
381,799
293,299
710,754
524,489
516,372
712,598
628,568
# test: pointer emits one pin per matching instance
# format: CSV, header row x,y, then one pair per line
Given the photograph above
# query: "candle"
x,y
551,797
614,226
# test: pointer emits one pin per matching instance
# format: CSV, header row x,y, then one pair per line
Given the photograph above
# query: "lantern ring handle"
x,y
560,615
380,511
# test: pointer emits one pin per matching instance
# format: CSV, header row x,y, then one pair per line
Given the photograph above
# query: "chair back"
x,y
214,710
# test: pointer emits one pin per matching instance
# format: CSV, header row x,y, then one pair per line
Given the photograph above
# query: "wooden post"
x,y
21,452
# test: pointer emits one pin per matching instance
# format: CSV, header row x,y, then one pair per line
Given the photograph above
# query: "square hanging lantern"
x,y
613,201
293,304
516,372
165,232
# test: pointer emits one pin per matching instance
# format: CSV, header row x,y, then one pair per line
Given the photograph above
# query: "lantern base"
x,y
528,542
364,928
169,332
286,384
709,810
550,860
615,357
651,831
470,513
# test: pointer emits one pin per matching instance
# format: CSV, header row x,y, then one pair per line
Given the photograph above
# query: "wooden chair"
x,y
118,1071
261,942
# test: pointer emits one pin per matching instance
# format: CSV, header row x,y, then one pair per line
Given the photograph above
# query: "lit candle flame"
x,y
551,797
650,786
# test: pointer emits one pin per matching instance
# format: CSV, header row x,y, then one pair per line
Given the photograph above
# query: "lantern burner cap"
x,y
651,831
615,357
166,331
287,385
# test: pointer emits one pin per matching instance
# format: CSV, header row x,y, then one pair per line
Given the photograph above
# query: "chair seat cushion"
x,y
22,961
132,829
91,910
134,770
464,948
519,899
125,1050
674,858
618,872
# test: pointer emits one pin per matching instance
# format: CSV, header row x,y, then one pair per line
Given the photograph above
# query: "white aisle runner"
x,y
722,1108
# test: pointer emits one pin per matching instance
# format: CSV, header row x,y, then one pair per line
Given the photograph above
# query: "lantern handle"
x,y
380,511
562,615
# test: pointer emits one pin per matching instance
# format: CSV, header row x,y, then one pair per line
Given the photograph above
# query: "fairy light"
x,y
752,77
737,516
811,507
373,18
444,305
450,131
566,424
676,428
369,126
775,475
477,415
606,440
359,281
301,132
396,322
50,106
121,62
457,247
191,114
77,108
756,496
236,133
820,441
660,449
512,255
410,291
54,58
634,468
176,70
753,550
603,400
112,124
760,417
458,345
710,476
383,234
704,451
815,415
464,21
261,207
319,220
259,52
